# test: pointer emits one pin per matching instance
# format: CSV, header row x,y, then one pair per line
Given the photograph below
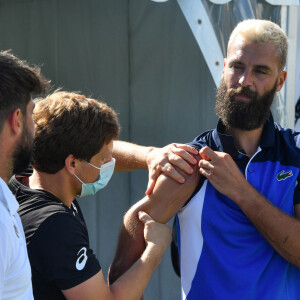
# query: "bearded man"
x,y
18,82
239,233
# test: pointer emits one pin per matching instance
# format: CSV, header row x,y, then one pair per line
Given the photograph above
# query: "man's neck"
x,y
56,184
246,140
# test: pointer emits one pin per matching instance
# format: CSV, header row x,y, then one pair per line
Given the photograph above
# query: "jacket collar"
x,y
225,143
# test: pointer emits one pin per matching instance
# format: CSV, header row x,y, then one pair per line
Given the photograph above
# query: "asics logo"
x,y
81,260
284,175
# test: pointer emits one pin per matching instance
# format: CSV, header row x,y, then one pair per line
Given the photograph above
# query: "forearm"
x,y
132,283
130,156
131,243
278,228
167,198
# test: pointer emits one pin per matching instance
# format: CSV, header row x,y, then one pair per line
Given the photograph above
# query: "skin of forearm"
x,y
279,229
130,156
167,198
140,272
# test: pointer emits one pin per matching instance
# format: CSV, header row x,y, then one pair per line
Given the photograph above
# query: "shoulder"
x,y
57,230
202,140
59,225
287,145
288,136
43,215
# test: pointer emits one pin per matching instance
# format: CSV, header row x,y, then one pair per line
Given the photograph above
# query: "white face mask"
x,y
106,171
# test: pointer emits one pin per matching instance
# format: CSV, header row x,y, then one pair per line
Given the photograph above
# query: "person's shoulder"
x,y
60,228
32,200
202,140
289,136
60,222
40,211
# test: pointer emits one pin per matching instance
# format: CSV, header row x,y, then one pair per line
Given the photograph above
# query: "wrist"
x,y
149,155
152,255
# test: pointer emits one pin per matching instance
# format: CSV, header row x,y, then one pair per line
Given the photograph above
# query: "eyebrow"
x,y
237,61
263,67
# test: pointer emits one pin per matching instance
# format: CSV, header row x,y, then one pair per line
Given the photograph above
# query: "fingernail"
x,y
182,180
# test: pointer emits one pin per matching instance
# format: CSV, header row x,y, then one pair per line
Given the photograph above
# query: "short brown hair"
x,y
69,123
18,82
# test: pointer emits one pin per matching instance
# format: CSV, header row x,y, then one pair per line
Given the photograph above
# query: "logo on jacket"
x,y
81,260
284,175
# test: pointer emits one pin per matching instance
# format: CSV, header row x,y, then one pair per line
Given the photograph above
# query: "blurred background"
x,y
157,65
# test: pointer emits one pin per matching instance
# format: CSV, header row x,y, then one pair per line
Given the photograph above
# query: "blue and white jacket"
x,y
222,255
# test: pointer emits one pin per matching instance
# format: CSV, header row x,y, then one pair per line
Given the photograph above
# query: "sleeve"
x,y
200,141
60,252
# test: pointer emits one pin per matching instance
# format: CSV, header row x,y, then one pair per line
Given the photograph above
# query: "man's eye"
x,y
261,71
237,67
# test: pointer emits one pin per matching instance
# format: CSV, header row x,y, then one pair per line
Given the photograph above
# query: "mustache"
x,y
242,90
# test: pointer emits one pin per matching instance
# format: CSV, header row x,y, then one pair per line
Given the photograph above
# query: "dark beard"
x,y
23,152
241,114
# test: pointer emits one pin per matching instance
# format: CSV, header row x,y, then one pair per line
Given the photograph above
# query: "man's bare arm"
x,y
167,198
158,160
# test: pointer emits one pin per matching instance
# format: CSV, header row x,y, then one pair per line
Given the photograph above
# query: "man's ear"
x,y
281,80
15,121
71,164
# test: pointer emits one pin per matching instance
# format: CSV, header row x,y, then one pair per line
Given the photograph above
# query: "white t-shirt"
x,y
15,272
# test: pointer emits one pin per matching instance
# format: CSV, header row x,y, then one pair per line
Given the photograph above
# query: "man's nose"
x,y
246,79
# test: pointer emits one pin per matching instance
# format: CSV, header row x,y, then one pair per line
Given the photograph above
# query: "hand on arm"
x,y
158,160
167,198
164,160
279,229
132,283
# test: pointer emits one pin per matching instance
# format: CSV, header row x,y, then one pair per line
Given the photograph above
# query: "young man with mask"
x,y
72,155
239,234
18,81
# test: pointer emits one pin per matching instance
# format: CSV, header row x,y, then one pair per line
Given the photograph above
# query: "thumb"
x,y
144,217
204,156
150,187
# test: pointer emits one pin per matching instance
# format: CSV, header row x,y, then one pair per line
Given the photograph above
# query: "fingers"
x,y
207,153
158,236
205,172
185,151
206,164
205,167
150,187
182,160
167,159
171,172
144,217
